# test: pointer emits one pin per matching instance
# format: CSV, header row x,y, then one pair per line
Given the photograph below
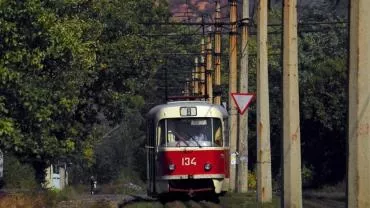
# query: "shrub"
x,y
252,180
53,196
128,182
307,175
18,175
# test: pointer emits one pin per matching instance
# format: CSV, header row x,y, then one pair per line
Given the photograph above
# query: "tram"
x,y
187,148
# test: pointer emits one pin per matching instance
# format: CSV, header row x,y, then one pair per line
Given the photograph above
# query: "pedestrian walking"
x,y
92,185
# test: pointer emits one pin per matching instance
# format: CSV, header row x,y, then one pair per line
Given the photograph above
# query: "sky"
x,y
193,9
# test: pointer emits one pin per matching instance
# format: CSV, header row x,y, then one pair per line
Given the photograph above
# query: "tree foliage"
x,y
45,60
67,67
323,91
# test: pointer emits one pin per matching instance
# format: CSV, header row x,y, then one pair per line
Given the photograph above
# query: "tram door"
x,y
151,156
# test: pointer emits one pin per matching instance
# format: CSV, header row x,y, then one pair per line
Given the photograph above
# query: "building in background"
x,y
56,176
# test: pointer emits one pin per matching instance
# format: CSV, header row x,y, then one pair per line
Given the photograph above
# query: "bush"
x,y
307,176
128,182
252,180
18,175
53,196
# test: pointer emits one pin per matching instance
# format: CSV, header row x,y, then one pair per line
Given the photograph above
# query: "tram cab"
x,y
187,148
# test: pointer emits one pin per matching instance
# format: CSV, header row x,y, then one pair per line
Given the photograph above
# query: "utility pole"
x,y
186,87
291,156
209,71
243,119
233,119
202,69
1,164
358,171
193,81
166,84
217,63
196,78
264,192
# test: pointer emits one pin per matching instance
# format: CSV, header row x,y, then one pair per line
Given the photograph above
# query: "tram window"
x,y
226,133
193,132
217,132
161,132
199,122
150,133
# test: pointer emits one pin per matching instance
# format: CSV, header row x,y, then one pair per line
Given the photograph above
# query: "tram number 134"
x,y
188,161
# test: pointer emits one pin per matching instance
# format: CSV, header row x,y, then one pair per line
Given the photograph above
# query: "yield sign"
x,y
242,101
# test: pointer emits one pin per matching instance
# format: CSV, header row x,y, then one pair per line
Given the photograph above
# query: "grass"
x,y
23,201
335,192
119,188
236,200
37,198
145,205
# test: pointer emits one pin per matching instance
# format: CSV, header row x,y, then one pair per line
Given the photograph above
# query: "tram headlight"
x,y
207,167
171,167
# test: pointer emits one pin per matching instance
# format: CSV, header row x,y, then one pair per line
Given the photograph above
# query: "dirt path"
x,y
96,201
324,199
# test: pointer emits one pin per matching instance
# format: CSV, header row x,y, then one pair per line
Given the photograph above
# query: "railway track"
x,y
139,200
132,201
192,204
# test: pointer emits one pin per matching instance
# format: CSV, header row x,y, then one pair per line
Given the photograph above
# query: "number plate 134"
x,y
188,161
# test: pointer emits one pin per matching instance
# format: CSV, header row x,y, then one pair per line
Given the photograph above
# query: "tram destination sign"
x,y
188,111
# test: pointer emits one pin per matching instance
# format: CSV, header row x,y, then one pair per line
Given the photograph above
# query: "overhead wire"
x,y
225,26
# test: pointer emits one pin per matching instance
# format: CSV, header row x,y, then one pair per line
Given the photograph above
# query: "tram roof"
x,y
159,108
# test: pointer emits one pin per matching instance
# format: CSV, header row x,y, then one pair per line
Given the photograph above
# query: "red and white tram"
x,y
187,148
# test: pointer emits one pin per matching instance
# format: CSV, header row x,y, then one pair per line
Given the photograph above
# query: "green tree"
x,y
129,58
323,78
46,57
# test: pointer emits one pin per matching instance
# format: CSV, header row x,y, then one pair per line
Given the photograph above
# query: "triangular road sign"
x,y
242,101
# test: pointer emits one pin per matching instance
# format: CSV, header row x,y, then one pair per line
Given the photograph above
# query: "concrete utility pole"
x,y
209,71
358,183
202,68
264,192
186,87
217,63
243,119
196,77
292,182
193,81
1,164
233,119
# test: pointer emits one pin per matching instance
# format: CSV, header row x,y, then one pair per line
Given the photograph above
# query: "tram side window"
x,y
150,133
226,133
217,132
162,132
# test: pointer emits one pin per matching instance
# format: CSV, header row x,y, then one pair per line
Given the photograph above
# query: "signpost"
x,y
240,158
242,101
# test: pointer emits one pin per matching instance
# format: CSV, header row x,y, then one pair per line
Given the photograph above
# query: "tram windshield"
x,y
193,132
